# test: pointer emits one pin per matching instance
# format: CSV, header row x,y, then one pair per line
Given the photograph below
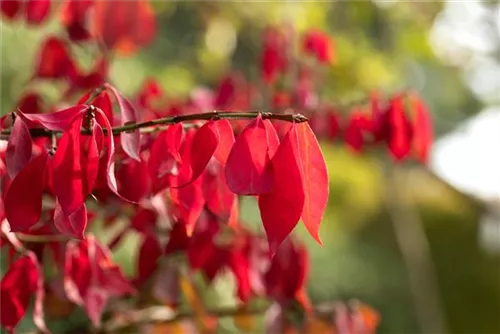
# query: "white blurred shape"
x,y
470,158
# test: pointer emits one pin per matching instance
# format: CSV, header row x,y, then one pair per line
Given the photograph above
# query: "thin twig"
x,y
295,118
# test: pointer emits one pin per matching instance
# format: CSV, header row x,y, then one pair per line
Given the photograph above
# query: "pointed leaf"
x,y
281,209
226,140
147,261
315,179
23,200
19,147
53,60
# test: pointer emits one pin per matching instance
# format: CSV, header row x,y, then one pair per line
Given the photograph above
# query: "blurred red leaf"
x,y
10,8
53,60
37,11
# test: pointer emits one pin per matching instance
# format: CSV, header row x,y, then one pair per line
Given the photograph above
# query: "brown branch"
x,y
296,118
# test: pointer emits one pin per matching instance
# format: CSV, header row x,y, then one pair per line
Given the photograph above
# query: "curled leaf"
x,y
131,141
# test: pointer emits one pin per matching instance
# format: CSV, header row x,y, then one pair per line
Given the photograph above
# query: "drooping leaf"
x,y
133,179
248,170
226,140
197,154
219,197
422,129
281,208
72,224
23,200
131,141
19,148
314,177
68,169
173,139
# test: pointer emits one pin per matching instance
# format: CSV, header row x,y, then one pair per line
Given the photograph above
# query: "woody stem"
x,y
214,115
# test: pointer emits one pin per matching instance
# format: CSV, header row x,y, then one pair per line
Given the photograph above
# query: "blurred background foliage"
x,y
382,45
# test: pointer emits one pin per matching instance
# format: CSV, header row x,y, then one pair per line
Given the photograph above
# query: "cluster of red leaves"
x,y
179,185
124,25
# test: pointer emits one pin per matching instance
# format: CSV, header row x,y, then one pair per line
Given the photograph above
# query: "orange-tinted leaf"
x,y
19,147
315,179
422,129
23,200
245,321
281,209
248,170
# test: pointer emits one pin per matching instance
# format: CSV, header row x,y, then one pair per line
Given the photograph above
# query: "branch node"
x,y
299,118
266,115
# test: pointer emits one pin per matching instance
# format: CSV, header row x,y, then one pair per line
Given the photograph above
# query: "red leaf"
x,y
68,170
110,154
53,60
131,141
189,201
23,200
160,163
318,44
30,103
272,137
147,262
173,138
73,17
399,140
73,224
226,140
124,25
133,180
281,209
197,154
19,147
23,279
10,8
37,11
315,179
422,129
219,197
290,261
247,169
56,121
353,135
